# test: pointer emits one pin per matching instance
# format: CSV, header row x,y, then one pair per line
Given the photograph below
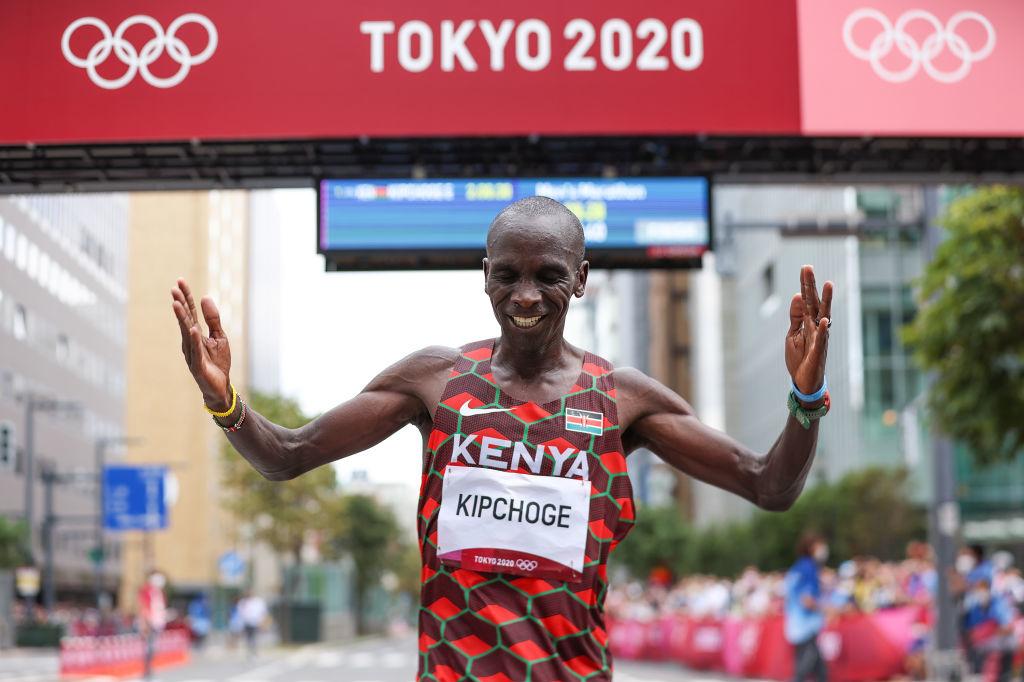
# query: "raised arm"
x,y
394,398
657,418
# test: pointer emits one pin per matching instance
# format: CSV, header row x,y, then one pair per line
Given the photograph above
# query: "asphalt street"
x,y
371,660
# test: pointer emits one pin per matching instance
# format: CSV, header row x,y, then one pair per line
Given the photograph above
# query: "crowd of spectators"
x,y
861,584
989,593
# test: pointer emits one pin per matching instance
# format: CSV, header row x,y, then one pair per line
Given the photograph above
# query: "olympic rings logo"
x,y
138,61
920,55
526,564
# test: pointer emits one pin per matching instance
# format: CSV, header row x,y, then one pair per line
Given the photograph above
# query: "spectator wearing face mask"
x,y
988,622
971,564
804,615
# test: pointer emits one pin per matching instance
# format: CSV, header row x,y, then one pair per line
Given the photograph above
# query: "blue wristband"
x,y
812,397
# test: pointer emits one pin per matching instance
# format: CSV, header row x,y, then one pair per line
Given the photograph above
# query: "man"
x,y
804,609
252,611
524,491
152,617
988,622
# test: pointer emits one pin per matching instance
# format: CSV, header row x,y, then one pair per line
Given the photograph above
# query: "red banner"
x,y
120,656
857,647
122,70
902,67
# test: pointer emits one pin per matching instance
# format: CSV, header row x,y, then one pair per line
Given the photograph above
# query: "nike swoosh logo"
x,y
467,411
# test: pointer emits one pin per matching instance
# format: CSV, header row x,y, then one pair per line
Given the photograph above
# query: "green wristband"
x,y
805,416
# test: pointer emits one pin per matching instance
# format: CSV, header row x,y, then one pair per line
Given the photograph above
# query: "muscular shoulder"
x,y
640,395
421,375
417,370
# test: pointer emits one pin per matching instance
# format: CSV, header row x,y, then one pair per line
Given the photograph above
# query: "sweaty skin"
x,y
533,269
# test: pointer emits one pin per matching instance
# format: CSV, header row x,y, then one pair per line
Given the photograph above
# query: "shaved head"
x,y
543,215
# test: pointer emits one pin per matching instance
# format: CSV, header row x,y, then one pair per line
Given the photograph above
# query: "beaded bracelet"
x,y
805,416
237,425
234,400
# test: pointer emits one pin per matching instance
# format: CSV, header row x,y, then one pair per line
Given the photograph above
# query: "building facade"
x,y
202,237
63,296
868,241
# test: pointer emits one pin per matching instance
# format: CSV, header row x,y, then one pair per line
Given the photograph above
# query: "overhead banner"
x,y
123,70
908,68
129,71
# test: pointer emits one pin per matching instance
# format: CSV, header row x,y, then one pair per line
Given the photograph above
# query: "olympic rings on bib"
x,y
138,61
920,55
526,564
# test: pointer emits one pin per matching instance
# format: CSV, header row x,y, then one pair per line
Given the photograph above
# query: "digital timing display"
x,y
652,218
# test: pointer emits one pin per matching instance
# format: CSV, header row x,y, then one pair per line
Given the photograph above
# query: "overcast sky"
x,y
341,329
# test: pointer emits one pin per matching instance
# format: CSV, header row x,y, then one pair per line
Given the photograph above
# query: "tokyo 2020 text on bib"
x,y
520,506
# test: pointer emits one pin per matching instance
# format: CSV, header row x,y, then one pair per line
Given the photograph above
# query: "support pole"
x,y
49,476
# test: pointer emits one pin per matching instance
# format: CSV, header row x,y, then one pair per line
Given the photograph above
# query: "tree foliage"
x,y
970,330
13,543
368,532
282,513
867,512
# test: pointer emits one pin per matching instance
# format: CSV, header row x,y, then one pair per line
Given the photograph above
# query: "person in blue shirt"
x,y
988,622
199,619
804,609
974,566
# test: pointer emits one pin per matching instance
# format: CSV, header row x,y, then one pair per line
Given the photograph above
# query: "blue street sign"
x,y
133,498
231,566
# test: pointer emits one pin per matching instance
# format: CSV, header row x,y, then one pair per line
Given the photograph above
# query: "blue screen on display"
x,y
453,215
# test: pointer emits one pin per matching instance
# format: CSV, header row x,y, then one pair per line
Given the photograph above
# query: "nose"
x,y
525,296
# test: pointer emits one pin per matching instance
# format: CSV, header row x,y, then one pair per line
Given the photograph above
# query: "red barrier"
x,y
857,647
120,655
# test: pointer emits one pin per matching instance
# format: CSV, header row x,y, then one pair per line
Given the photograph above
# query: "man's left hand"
x,y
807,338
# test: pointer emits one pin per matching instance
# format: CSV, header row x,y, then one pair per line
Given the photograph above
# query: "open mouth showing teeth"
x,y
525,322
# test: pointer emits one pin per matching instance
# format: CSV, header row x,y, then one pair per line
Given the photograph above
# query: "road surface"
x,y
371,660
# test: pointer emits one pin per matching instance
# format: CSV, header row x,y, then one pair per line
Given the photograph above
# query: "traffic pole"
x,y
49,476
944,512
28,470
101,456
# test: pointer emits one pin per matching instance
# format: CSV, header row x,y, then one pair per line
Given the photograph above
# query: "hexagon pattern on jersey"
x,y
498,627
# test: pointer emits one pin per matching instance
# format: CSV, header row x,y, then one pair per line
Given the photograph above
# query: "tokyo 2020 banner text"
x,y
122,70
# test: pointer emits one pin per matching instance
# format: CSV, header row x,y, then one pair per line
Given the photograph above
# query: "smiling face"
x,y
533,268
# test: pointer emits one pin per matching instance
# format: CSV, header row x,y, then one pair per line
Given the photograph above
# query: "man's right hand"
x,y
207,357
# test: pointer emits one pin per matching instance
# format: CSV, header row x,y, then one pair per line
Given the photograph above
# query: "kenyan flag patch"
x,y
584,422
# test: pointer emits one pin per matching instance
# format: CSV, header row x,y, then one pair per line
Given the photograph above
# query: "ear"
x,y
487,269
581,279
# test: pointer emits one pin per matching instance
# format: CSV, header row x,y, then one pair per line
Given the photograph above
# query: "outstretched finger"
x,y
820,342
182,316
826,299
796,313
179,298
809,291
212,316
183,285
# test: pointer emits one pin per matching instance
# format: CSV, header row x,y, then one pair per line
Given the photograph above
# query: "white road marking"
x,y
395,659
328,659
362,659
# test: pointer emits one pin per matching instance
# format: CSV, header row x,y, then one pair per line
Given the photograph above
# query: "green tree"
x,y
13,543
970,330
660,538
368,532
866,512
282,513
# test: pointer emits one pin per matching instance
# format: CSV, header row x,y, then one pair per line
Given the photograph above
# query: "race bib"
x,y
501,522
